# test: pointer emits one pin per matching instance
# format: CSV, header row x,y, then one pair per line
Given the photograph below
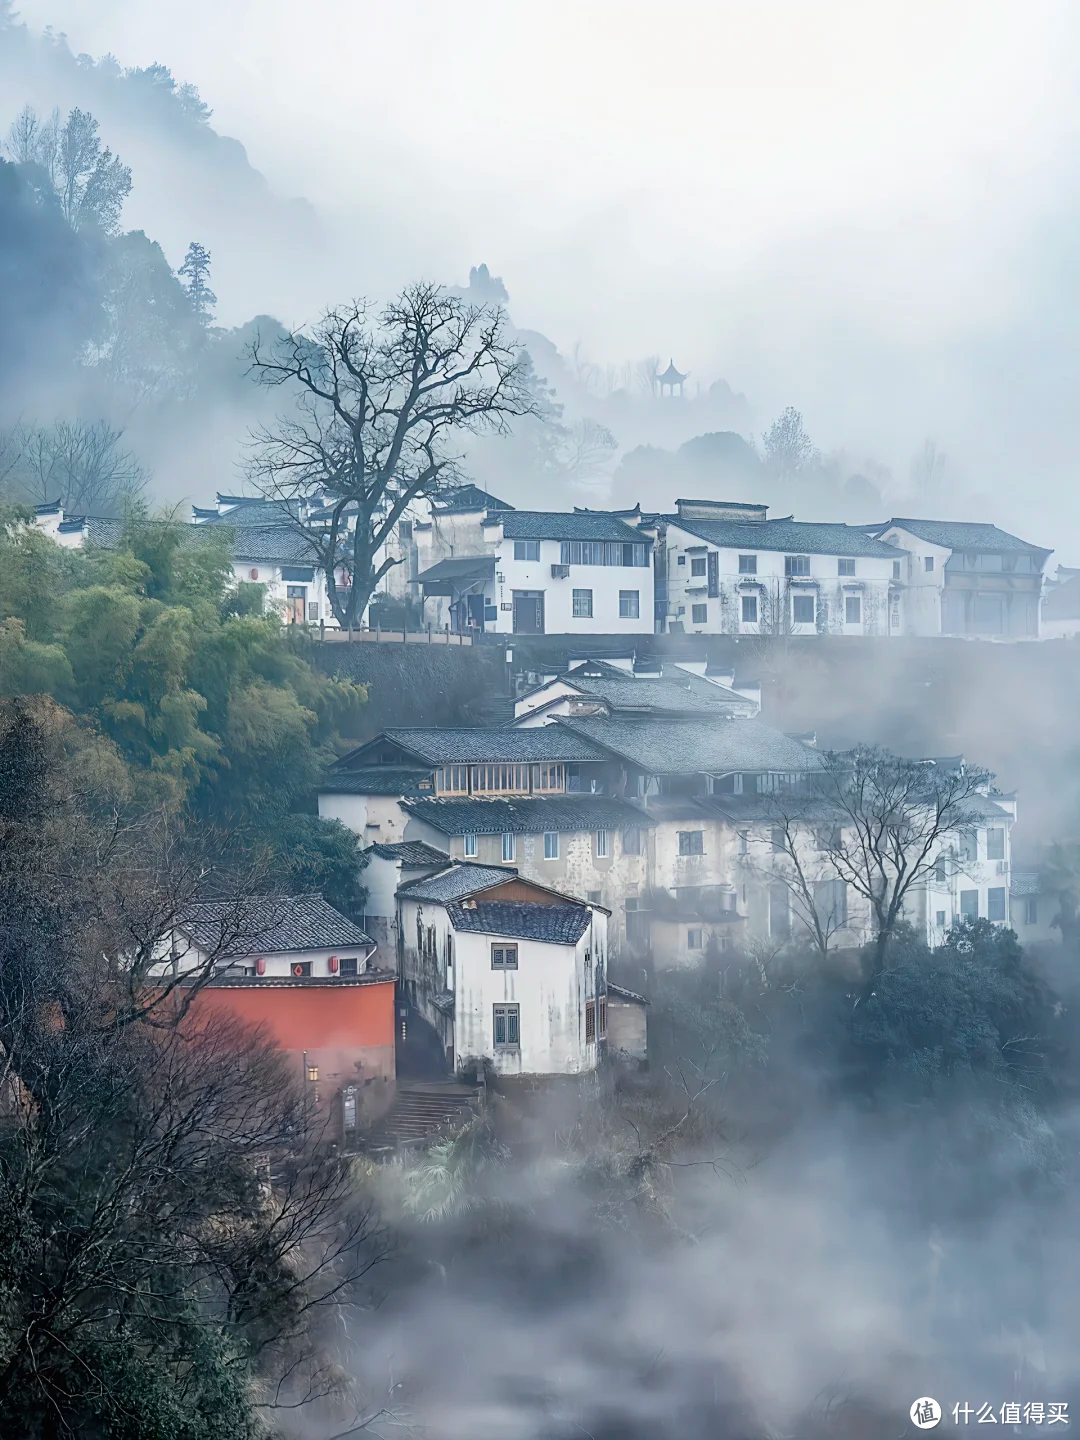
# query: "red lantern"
x,y
260,966
254,573
333,963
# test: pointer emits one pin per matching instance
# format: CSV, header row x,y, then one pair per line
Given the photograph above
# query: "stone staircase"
x,y
422,1110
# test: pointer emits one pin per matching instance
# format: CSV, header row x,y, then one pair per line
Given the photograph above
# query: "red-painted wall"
x,y
346,1031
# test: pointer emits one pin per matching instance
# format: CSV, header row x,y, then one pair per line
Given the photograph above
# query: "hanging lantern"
x,y
260,965
333,963
254,573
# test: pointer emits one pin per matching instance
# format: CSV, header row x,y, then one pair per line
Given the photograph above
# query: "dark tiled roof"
x,y
1024,882
559,525
271,924
527,816
373,780
456,882
476,746
272,545
524,919
412,854
964,535
458,567
466,499
672,692
693,747
982,807
103,531
621,993
249,512
793,537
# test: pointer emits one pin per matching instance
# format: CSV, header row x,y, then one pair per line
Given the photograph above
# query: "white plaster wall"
x,y
278,964
377,819
551,986
605,581
871,581
922,588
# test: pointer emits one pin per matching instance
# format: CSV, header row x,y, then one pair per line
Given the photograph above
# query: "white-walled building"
x,y
725,569
505,971
548,573
269,937
963,578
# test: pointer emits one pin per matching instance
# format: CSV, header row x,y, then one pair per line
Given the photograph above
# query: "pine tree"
x,y
196,272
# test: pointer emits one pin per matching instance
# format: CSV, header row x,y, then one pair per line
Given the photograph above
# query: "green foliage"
x,y
318,857
211,704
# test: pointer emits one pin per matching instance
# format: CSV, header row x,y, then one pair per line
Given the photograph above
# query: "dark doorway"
x,y
528,612
476,612
421,1054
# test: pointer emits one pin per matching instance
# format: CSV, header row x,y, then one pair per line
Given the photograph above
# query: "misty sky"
x,y
863,209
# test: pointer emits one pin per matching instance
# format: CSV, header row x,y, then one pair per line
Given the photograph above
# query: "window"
x,y
697,565
582,604
939,919
896,569
928,563
548,778
802,609
507,1025
551,845
744,842
939,869
693,938
452,780
349,967
504,957
628,604
603,1016
749,609
590,1022
779,913
526,549
796,564
595,897
300,968
852,609
470,847
995,903
969,904
508,847
405,529
603,845
830,902
691,842
500,778
682,559
747,564
969,845
639,555
631,842
995,843
1031,910
779,841
699,614
845,567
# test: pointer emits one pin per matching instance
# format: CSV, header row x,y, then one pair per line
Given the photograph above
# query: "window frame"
x,y
796,601
551,844
968,913
748,602
510,1016
603,844
581,604
747,564
590,1022
845,568
694,937
997,898
470,846
629,604
353,962
503,956
849,601
634,846
1031,909
796,566
528,550
928,564
995,830
699,566
509,847
691,842
699,614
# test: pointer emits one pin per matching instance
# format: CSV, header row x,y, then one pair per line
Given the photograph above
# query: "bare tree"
x,y
897,820
801,837
79,464
788,448
382,399
91,182
927,468
648,375
171,1224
